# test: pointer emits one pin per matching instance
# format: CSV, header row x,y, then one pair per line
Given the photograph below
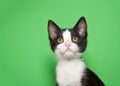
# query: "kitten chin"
x,y
67,49
68,46
68,55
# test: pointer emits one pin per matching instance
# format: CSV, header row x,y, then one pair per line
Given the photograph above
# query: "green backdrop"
x,y
25,55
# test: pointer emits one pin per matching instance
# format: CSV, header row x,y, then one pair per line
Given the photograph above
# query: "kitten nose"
x,y
67,43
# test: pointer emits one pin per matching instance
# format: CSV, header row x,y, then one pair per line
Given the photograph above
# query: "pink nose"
x,y
67,43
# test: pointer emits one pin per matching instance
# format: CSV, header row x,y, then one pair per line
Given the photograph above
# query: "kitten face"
x,y
68,43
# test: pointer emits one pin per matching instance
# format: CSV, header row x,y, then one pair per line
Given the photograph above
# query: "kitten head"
x,y
68,43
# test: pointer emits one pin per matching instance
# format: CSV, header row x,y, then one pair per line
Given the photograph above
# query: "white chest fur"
x,y
69,73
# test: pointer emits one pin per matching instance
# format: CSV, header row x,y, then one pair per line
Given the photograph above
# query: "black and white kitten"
x,y
68,46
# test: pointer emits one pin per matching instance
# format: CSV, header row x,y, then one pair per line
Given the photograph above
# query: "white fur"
x,y
61,51
70,67
69,73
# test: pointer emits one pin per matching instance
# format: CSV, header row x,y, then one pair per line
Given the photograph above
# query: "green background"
x,y
25,55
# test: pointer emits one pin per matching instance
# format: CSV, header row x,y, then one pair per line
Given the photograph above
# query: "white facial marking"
x,y
67,49
69,68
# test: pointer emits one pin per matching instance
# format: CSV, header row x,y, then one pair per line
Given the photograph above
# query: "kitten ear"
x,y
53,29
81,27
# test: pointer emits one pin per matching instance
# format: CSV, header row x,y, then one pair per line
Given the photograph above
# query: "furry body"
x,y
68,46
69,73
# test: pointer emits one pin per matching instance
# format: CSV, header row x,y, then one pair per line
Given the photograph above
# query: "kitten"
x,y
68,46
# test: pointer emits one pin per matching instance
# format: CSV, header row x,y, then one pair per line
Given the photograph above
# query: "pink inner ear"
x,y
52,35
82,28
82,32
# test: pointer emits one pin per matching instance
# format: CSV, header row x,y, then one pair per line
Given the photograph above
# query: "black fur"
x,y
74,32
89,78
53,42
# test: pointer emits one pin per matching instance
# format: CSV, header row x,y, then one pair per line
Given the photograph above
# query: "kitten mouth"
x,y
68,50
68,53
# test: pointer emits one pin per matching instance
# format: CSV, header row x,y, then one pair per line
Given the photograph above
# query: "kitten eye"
x,y
60,40
75,39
